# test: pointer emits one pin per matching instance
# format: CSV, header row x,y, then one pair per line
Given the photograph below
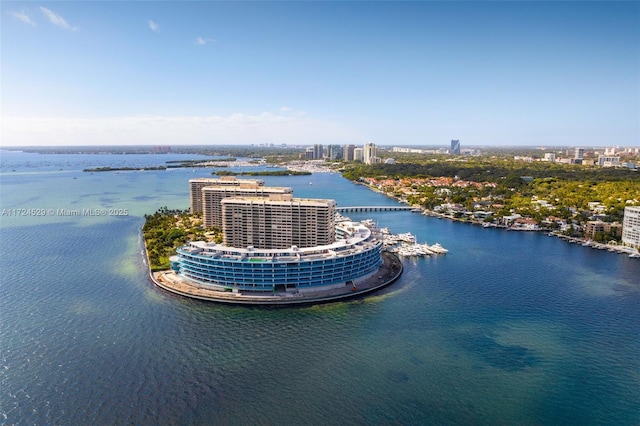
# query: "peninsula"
x,y
275,249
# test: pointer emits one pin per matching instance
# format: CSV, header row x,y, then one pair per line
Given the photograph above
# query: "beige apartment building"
x,y
196,185
279,221
212,197
593,227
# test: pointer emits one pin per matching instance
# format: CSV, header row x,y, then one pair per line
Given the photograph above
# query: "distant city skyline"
x,y
332,73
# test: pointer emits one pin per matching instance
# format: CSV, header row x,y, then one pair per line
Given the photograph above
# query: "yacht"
x,y
437,248
407,237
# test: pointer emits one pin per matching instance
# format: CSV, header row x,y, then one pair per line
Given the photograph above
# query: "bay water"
x,y
507,328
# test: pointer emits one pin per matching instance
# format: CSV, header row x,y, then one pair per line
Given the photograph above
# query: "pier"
x,y
352,209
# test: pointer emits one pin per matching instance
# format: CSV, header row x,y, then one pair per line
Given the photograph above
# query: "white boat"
x,y
405,252
407,237
437,248
424,249
369,223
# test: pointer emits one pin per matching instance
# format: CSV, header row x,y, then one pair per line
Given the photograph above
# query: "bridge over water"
x,y
352,209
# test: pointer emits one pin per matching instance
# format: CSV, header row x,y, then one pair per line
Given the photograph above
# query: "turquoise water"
x,y
508,328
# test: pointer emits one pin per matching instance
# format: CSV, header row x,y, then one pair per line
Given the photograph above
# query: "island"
x,y
126,169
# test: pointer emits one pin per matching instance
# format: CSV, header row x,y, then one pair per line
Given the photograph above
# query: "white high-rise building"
x,y
369,152
631,227
358,154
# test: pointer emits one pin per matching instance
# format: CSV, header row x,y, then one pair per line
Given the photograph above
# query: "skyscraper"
x,y
358,154
348,152
455,146
334,152
369,152
318,152
308,153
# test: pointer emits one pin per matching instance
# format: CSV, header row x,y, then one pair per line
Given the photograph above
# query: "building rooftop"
x,y
286,199
357,237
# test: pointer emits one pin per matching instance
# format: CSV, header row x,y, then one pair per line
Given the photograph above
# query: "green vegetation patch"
x,y
491,170
499,187
166,230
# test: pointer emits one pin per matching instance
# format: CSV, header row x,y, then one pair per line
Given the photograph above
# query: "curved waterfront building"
x,y
355,256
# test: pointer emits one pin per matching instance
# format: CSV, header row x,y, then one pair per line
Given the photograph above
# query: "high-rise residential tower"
x,y
334,152
279,221
348,152
318,152
196,185
369,152
212,197
631,227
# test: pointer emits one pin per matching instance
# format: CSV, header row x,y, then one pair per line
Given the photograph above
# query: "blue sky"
x,y
394,73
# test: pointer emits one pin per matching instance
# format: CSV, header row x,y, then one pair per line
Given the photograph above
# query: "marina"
x,y
404,244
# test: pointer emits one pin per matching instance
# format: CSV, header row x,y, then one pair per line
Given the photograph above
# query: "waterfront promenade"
x,y
388,272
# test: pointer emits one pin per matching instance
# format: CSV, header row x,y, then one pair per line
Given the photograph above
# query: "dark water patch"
x,y
416,360
397,376
422,409
505,357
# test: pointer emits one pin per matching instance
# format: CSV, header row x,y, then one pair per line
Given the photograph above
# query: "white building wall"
x,y
358,154
369,152
631,227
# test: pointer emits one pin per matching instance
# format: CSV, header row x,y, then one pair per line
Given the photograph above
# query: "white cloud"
x,y
238,128
290,110
202,41
154,27
56,19
22,16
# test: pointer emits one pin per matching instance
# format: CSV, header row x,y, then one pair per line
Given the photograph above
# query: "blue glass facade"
x,y
227,270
